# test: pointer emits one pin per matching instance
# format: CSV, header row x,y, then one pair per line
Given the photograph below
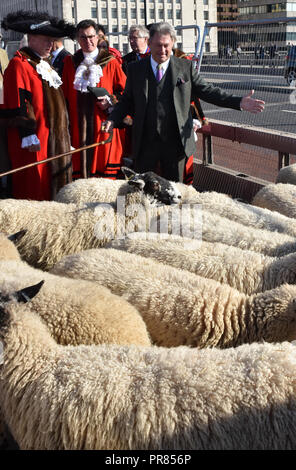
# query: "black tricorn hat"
x,y
38,23
99,92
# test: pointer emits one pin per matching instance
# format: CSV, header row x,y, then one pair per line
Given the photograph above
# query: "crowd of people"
x,y
55,101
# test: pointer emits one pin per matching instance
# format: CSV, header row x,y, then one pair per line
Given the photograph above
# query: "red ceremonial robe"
x,y
107,158
23,85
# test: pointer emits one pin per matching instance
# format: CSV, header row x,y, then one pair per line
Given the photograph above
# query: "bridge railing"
x,y
248,55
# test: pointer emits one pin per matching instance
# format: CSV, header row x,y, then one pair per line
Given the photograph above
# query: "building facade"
x,y
282,33
118,15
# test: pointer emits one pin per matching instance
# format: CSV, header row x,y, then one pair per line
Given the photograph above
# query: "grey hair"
x,y
140,29
163,28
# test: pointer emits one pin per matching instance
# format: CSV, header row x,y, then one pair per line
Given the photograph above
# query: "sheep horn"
x,y
28,293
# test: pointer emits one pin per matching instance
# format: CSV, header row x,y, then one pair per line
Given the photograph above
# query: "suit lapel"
x,y
144,76
174,71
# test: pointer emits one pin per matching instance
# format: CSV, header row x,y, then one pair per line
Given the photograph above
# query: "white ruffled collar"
x,y
48,74
88,73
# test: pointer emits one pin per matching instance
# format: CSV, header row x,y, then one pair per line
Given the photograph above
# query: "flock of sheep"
x,y
116,336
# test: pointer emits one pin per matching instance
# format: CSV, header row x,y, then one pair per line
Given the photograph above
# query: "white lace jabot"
x,y
48,74
88,73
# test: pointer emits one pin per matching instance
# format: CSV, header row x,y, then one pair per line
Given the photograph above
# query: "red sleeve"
x,y
18,90
17,85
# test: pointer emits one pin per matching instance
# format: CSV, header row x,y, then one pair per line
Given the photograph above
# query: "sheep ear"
x,y
128,172
15,237
137,181
28,293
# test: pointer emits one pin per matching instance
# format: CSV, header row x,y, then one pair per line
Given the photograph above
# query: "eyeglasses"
x,y
85,38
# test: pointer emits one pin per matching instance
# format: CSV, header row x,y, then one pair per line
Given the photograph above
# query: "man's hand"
x,y
250,104
107,126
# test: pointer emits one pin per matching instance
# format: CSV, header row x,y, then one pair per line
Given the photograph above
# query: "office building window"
x,y
123,13
206,15
169,14
104,12
133,13
113,12
178,14
160,14
142,14
94,12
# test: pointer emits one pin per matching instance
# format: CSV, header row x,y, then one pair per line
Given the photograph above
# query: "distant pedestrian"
x,y
272,52
238,53
58,55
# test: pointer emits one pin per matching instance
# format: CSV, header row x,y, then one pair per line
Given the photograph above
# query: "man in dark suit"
x,y
138,36
58,55
163,133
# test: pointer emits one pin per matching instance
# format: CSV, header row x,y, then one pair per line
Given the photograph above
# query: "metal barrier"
x,y
235,139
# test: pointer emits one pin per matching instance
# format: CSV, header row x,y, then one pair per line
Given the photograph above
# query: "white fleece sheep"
x,y
245,214
76,312
181,308
277,197
180,220
103,190
55,229
129,398
287,174
89,190
246,271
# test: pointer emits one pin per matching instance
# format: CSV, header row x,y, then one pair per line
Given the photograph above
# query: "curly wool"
x,y
181,308
103,190
214,228
76,312
90,190
55,230
246,271
246,214
131,398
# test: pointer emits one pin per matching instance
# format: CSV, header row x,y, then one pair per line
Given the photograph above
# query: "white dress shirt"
x,y
154,65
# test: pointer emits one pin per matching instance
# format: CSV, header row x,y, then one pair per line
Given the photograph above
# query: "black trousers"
x,y
164,157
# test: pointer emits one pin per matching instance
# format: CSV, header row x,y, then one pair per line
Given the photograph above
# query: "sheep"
x,y
55,229
189,221
129,398
75,312
89,190
181,308
277,197
246,271
105,190
287,174
246,214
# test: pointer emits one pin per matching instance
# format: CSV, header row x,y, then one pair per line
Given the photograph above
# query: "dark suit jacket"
x,y
58,63
127,59
187,85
